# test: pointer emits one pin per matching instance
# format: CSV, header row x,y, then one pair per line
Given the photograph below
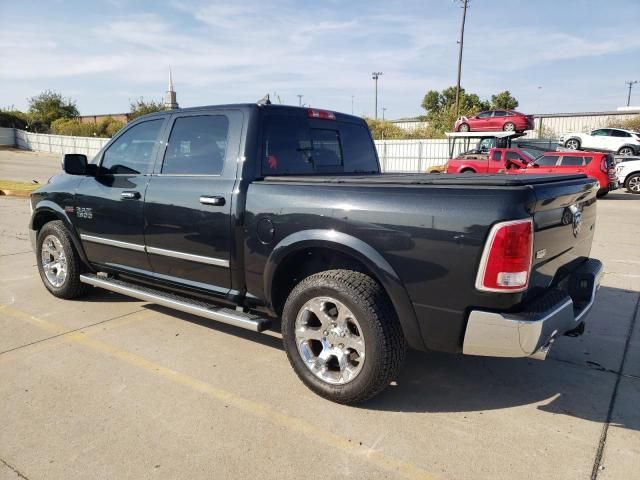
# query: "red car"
x,y
495,161
600,166
507,120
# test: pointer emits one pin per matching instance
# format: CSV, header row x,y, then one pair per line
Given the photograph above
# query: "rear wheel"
x,y
626,151
573,144
509,127
468,170
602,193
342,336
464,127
58,262
633,183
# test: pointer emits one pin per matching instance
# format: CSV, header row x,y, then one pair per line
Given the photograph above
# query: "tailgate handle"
x,y
207,200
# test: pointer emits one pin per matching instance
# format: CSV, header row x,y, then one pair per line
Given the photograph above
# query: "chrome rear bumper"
x,y
530,333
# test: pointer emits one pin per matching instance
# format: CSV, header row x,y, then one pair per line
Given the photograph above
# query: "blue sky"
x,y
561,55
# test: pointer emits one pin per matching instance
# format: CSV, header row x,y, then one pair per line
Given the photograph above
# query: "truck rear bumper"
x,y
531,332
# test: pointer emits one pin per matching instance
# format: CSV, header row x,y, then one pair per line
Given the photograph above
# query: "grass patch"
x,y
18,186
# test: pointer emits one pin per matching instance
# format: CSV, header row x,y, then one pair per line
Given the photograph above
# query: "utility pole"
x,y
631,83
461,42
352,97
383,110
375,76
300,100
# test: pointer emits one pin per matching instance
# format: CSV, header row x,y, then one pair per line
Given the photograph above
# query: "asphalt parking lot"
x,y
26,166
110,387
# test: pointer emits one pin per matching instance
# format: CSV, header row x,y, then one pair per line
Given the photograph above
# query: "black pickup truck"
x,y
246,214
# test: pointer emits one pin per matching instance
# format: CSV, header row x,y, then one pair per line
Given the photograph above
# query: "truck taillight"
x,y
604,167
506,260
322,114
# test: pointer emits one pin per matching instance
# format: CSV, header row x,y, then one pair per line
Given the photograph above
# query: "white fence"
x,y
7,136
414,155
62,144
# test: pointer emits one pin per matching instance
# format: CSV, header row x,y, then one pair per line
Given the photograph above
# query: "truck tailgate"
x,y
564,223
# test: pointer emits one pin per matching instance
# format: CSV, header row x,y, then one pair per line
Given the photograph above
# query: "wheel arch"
x,y
345,251
47,211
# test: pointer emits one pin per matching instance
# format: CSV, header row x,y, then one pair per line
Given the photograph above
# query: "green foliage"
x,y
50,106
381,129
141,107
504,100
630,123
13,119
73,126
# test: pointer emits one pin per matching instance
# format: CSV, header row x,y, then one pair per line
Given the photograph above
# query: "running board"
x,y
179,302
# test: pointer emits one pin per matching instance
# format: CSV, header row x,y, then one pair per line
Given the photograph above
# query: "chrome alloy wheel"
x,y
330,340
54,261
572,144
509,127
625,151
634,184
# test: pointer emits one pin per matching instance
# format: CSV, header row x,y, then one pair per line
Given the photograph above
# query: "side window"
x,y
603,132
514,156
497,155
484,114
197,145
571,161
619,133
499,113
132,152
547,160
587,160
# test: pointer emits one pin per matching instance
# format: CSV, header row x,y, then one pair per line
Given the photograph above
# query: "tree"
x,y
141,107
50,106
504,100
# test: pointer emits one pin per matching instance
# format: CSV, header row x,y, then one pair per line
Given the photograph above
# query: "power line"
x,y
461,42
631,83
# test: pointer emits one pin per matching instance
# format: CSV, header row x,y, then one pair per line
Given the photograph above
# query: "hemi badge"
x,y
541,253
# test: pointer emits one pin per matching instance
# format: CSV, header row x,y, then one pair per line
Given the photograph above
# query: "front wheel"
x,y
633,183
342,336
464,127
509,127
573,144
58,262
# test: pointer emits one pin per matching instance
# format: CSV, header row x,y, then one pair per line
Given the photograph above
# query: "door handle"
x,y
207,200
130,195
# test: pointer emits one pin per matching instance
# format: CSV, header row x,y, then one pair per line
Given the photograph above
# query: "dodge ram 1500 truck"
x,y
246,214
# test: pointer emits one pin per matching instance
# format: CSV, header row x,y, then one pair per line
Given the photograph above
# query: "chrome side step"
x,y
178,302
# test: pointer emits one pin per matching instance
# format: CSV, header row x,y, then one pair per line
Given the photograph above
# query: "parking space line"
x,y
58,330
16,253
263,411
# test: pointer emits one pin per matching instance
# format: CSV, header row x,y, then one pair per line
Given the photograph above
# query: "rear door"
x,y
496,161
498,120
188,202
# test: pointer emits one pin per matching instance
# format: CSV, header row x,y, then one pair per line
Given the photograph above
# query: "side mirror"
x,y
75,164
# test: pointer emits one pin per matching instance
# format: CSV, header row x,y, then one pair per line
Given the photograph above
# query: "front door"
x,y
188,201
109,206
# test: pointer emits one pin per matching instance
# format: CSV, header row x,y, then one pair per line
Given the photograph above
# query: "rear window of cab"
x,y
294,145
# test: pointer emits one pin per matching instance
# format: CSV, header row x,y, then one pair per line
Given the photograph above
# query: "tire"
x,y
509,127
602,193
626,151
342,297
468,170
58,262
572,144
633,183
464,127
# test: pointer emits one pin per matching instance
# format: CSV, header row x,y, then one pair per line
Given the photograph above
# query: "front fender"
x,y
363,252
45,211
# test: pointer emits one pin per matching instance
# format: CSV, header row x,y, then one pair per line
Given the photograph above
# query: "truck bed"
x,y
486,180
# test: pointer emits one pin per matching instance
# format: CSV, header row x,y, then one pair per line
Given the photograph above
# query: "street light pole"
x,y
352,97
383,110
300,100
631,83
375,76
461,42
